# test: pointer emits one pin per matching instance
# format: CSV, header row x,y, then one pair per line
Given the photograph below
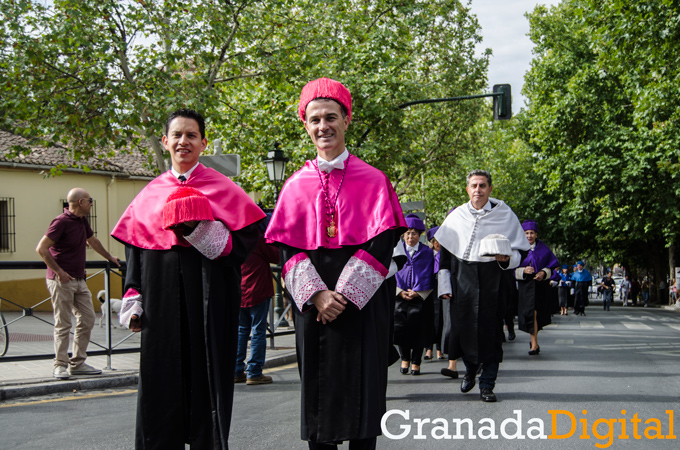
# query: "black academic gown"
x,y
188,343
479,296
343,364
534,296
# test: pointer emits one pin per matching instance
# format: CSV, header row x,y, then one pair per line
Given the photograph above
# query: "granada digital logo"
x,y
397,424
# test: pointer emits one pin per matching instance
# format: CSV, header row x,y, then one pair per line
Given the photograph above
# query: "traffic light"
x,y
502,104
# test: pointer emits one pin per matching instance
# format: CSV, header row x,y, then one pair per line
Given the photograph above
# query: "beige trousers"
x,y
69,299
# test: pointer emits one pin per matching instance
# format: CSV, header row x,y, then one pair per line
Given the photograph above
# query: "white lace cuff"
x,y
519,273
444,282
360,278
302,279
211,238
131,306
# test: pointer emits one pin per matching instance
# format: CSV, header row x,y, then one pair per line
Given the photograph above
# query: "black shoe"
x,y
511,335
403,370
535,352
487,395
415,371
449,373
427,358
468,383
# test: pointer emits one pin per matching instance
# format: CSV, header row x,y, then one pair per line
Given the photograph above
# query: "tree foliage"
x,y
99,74
602,125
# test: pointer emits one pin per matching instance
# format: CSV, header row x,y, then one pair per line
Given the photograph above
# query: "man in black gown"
x,y
336,222
476,283
186,235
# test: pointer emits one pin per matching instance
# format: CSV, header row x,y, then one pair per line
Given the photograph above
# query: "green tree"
x,y
605,151
92,75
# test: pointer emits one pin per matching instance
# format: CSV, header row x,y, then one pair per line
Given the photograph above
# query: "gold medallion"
x,y
331,230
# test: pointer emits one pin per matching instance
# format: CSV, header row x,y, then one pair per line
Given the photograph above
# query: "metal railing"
x,y
108,348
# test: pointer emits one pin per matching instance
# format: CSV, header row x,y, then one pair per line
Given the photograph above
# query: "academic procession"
x,y
374,291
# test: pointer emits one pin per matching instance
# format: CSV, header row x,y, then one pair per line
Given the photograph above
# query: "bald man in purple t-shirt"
x,y
63,250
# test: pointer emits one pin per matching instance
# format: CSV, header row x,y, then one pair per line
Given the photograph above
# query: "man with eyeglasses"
x,y
63,250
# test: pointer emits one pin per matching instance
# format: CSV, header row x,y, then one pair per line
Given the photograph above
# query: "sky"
x,y
504,31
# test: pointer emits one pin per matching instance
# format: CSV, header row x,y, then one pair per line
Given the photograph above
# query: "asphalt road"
x,y
612,379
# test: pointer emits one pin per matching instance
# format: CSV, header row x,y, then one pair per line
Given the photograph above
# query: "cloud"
x,y
504,31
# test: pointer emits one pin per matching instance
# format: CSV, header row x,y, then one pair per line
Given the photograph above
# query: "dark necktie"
x,y
182,178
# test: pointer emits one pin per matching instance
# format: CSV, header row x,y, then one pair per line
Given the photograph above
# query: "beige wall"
x,y
37,200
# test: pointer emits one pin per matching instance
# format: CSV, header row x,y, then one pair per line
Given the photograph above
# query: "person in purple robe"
x,y
533,281
336,222
415,284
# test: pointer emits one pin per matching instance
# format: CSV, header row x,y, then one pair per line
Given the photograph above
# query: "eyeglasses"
x,y
91,200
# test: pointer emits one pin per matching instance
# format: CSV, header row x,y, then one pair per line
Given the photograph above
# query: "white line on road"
x,y
593,324
636,326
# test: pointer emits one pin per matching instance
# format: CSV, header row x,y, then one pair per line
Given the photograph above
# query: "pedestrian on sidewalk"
x,y
625,290
63,250
645,291
337,222
634,290
186,235
257,290
474,279
609,287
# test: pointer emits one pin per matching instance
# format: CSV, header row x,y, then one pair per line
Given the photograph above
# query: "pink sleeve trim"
x,y
292,262
370,260
302,280
132,292
359,280
131,306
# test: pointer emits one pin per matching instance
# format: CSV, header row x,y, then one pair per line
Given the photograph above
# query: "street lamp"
x,y
276,171
276,167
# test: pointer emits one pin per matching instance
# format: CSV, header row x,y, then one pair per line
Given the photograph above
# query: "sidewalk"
x,y
32,336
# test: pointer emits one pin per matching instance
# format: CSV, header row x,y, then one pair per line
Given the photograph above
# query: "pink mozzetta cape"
x,y
366,207
141,224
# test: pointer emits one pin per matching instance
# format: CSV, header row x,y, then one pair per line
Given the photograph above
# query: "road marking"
x,y
564,341
674,353
675,327
279,368
73,397
593,324
636,326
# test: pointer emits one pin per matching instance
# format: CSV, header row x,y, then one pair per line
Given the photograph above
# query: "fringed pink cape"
x,y
141,224
366,207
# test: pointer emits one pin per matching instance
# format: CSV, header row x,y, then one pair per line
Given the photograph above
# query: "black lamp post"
x,y
276,171
276,167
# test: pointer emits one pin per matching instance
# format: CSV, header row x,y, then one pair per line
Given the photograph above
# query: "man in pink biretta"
x,y
186,235
337,222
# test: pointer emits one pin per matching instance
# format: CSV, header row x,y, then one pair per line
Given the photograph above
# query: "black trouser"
x,y
414,355
489,373
354,444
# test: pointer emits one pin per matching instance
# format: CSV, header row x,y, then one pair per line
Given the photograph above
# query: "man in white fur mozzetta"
x,y
478,285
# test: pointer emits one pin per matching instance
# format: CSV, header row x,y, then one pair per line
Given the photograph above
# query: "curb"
x,y
48,386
